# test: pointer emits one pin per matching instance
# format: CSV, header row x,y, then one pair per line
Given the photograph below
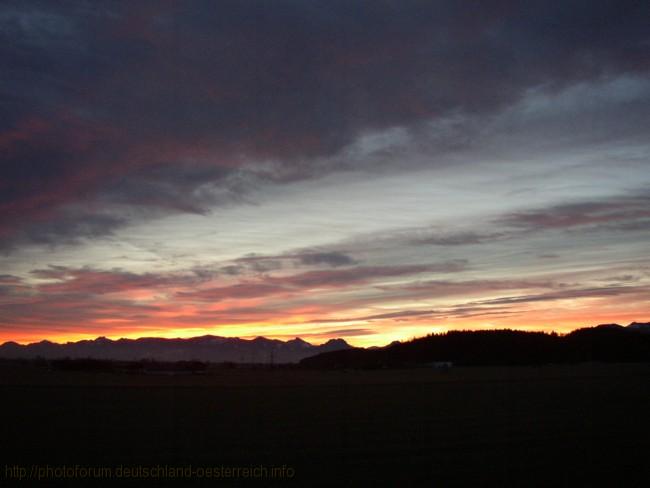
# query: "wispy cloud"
x,y
568,295
183,166
618,211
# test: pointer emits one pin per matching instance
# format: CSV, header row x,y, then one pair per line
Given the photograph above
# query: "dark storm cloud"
x,y
159,104
174,187
64,228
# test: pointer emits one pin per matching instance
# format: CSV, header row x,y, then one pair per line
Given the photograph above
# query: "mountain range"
x,y
487,346
204,348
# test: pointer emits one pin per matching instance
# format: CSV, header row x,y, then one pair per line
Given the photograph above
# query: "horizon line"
x,y
250,338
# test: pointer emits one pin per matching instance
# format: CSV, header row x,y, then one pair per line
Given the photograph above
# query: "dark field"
x,y
584,425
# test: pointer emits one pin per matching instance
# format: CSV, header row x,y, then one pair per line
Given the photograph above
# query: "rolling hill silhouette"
x,y
607,343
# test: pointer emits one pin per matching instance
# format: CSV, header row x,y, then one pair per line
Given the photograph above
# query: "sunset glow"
x,y
316,171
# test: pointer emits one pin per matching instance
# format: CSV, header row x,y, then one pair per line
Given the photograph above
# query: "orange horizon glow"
x,y
371,310
401,332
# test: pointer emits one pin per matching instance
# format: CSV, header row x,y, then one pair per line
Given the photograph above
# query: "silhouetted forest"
x,y
606,343
603,343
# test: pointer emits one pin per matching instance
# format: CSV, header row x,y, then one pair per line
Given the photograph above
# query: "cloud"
x,y
11,285
310,280
438,288
255,161
382,316
182,107
333,333
89,281
6,279
621,279
459,238
429,314
260,263
71,229
88,294
65,300
65,313
238,291
333,259
568,295
364,274
619,211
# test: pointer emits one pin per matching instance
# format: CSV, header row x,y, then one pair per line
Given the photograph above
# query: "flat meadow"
x,y
554,425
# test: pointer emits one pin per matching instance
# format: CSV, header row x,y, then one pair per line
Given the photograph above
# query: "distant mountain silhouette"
x,y
204,348
606,342
640,326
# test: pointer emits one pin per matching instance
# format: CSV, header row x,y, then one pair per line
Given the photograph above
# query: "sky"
x,y
369,170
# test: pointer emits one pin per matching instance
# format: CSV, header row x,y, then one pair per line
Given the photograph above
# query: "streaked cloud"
x,y
254,167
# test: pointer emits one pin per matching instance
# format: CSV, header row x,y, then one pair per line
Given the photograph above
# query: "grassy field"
x,y
582,425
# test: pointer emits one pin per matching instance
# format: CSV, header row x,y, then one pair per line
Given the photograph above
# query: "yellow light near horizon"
x,y
547,319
